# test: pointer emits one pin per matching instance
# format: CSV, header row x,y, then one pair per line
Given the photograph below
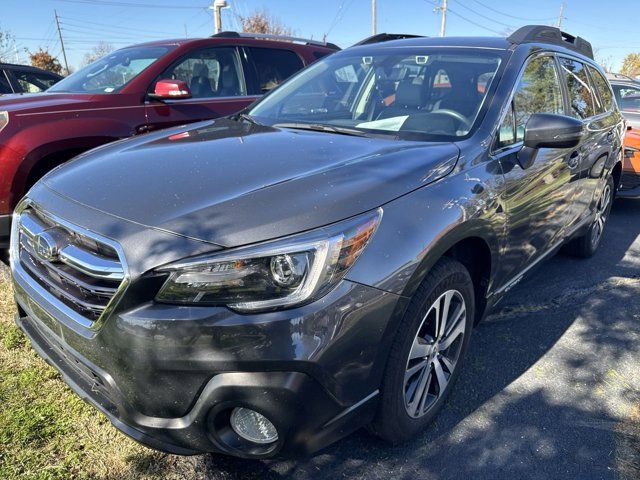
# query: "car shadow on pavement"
x,y
549,378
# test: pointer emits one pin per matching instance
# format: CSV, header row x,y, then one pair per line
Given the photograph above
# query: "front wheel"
x,y
587,245
427,352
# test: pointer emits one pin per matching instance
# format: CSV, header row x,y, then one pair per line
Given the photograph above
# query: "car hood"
x,y
35,101
233,183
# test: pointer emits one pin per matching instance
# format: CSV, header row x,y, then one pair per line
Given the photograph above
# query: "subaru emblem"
x,y
45,246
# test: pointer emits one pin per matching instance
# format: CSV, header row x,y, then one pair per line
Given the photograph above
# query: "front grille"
x,y
630,181
78,270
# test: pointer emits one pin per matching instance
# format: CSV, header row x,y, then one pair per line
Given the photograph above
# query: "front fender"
x,y
417,230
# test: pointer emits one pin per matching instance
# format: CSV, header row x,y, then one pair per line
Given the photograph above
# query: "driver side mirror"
x,y
547,130
167,89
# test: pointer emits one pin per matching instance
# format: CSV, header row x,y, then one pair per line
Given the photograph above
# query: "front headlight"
x,y
4,120
276,274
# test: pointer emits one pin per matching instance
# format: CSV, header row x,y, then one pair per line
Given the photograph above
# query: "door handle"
x,y
610,136
574,159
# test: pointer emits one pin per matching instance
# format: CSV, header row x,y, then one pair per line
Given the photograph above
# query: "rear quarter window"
x,y
582,100
603,88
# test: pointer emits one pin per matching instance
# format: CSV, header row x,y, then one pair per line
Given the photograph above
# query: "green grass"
x,y
48,432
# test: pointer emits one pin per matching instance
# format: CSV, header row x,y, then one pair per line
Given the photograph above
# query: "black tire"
x,y
393,421
586,245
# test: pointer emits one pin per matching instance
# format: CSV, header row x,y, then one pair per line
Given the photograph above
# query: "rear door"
x,y
218,87
600,139
537,199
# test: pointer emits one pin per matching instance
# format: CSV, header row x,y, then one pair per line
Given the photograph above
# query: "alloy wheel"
x,y
602,212
434,353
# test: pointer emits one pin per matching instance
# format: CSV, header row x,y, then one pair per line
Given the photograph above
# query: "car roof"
x,y
471,42
10,66
242,39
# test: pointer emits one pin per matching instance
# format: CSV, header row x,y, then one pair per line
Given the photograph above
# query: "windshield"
x,y
112,72
436,93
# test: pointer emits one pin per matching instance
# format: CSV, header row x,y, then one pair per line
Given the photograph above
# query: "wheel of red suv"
x,y
427,352
587,245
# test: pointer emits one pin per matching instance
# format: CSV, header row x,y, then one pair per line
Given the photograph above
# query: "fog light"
x,y
253,426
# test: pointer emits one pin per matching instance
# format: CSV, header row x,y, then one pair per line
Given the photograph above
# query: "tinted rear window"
x,y
274,66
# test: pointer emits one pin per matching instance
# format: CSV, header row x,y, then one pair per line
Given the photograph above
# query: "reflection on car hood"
x,y
33,101
233,183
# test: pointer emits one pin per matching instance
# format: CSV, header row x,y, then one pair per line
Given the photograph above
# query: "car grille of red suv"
x,y
78,270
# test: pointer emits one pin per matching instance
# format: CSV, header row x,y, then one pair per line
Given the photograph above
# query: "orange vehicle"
x,y
630,182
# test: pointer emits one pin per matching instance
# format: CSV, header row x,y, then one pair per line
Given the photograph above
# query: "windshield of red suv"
x,y
112,72
436,92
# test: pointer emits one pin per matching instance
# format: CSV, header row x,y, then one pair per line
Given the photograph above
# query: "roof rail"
x,y
385,37
279,38
620,76
552,35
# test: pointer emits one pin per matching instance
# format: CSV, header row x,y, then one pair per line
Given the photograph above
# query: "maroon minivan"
x,y
135,90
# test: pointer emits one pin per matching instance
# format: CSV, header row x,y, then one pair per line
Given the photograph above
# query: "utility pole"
x,y
64,52
443,10
560,17
217,7
373,17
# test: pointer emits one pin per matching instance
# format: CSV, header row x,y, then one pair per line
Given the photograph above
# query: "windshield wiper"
x,y
321,127
247,118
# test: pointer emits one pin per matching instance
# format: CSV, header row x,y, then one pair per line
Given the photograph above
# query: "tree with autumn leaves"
x,y
44,60
631,65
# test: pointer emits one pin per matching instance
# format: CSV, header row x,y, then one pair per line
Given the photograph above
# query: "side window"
x,y
4,83
274,66
31,82
628,98
538,92
603,88
210,72
581,97
507,132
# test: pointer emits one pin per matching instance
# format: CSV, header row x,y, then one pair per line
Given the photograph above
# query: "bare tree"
x,y
43,59
6,40
97,52
260,21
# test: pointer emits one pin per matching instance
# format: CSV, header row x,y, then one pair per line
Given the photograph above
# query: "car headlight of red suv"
x,y
271,275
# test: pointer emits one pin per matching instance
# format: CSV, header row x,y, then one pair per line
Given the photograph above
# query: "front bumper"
x,y
169,376
629,185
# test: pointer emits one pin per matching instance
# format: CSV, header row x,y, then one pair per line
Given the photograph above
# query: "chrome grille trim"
x,y
93,265
88,275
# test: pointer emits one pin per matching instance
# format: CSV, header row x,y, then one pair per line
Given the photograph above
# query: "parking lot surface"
x,y
550,389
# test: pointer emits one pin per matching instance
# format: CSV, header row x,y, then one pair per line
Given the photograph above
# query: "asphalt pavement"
x,y
550,387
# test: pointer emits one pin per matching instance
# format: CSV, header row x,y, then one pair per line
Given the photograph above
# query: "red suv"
x,y
135,90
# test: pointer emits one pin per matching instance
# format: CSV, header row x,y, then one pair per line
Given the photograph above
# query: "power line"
x,y
515,17
116,27
474,23
111,3
483,16
85,31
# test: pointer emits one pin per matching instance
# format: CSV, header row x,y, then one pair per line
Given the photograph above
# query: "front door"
x,y
537,198
217,83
